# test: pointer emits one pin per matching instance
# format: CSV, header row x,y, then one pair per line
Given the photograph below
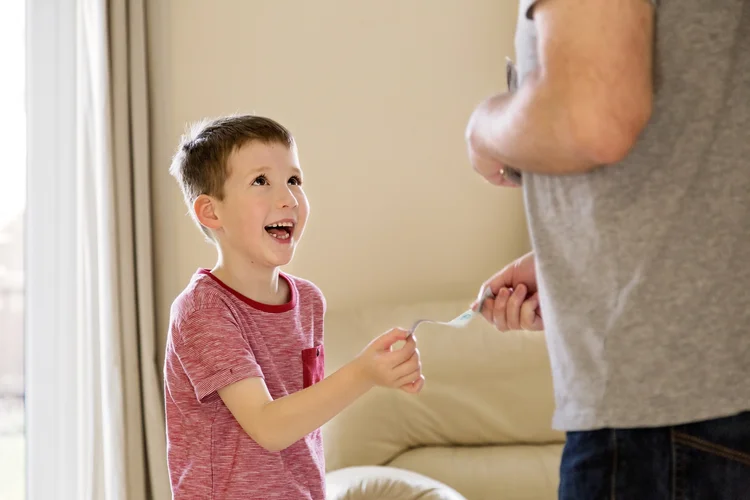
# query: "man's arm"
x,y
276,424
588,100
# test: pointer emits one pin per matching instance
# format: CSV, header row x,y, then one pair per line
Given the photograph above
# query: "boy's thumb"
x,y
391,337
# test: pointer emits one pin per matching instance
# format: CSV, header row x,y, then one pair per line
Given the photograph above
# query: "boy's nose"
x,y
287,199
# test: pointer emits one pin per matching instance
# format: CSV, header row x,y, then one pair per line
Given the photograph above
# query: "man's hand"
x,y
516,302
399,369
481,160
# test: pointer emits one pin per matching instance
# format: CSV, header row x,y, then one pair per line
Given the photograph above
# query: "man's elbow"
x,y
608,138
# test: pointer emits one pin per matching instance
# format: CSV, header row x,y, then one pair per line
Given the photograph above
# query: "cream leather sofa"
x,y
480,429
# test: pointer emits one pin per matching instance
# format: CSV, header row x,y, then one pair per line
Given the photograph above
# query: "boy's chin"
x,y
281,257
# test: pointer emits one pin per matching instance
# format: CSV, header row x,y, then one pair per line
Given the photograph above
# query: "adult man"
x,y
630,129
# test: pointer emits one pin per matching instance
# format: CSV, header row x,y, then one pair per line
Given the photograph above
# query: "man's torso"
x,y
643,265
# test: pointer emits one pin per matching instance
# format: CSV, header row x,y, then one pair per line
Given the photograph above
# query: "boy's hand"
x,y
399,369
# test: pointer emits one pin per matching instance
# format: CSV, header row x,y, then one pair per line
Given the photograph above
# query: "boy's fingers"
x,y
407,379
411,383
409,366
419,384
395,358
386,340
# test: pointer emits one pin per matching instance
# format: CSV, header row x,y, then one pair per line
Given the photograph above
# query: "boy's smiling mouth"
x,y
281,230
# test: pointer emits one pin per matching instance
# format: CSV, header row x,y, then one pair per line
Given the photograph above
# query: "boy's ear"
x,y
205,210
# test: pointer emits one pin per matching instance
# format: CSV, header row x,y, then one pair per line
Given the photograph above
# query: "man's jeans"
x,y
707,460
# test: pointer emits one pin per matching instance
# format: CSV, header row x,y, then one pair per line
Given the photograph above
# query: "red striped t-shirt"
x,y
216,337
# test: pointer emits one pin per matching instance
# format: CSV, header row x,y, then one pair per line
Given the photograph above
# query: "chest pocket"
x,y
313,365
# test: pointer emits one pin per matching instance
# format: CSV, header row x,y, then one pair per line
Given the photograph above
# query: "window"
x,y
12,213
49,255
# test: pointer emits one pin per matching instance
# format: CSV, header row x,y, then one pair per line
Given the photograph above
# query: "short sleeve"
x,y
527,6
213,351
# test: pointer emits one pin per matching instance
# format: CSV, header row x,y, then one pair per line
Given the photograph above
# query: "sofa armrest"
x,y
377,483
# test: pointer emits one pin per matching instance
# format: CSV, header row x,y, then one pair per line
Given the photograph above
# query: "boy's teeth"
x,y
280,230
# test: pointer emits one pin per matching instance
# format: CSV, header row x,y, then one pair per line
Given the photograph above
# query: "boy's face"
x,y
264,210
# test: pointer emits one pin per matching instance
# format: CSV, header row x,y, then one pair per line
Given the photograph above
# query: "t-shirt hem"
x,y
224,378
625,419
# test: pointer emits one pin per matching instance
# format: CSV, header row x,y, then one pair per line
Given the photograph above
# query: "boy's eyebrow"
x,y
266,168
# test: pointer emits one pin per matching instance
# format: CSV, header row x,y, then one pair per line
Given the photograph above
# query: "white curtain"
x,y
121,449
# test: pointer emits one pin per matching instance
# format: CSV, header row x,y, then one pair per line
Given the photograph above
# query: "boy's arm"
x,y
276,424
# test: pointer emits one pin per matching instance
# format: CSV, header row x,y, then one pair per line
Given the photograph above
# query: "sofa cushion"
x,y
385,483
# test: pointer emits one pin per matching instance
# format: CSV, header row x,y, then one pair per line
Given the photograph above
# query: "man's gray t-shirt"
x,y
644,266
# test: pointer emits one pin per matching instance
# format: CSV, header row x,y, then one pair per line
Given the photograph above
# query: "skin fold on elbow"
x,y
267,440
263,432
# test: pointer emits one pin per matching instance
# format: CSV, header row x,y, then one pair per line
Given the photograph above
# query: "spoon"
x,y
462,319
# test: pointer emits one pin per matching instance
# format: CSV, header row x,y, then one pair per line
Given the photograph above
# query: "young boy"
x,y
244,386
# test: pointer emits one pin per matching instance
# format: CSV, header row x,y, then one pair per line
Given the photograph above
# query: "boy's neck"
x,y
254,282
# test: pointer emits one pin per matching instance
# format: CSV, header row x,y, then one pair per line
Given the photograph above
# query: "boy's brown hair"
x,y
200,163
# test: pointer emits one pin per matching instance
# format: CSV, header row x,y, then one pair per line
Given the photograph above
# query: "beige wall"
x,y
378,94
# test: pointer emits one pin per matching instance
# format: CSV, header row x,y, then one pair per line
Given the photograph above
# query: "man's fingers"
x,y
499,311
497,179
483,166
511,311
499,280
538,320
487,310
500,179
491,170
513,308
530,320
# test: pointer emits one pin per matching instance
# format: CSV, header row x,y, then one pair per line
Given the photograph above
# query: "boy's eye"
x,y
295,181
261,180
